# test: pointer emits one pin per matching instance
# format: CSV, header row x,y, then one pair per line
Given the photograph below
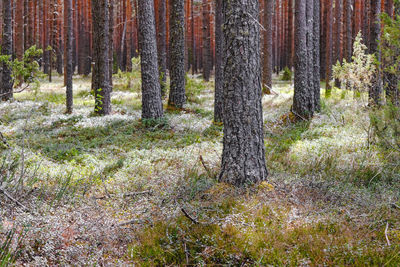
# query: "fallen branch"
x,y
135,221
395,206
13,200
15,92
386,234
205,166
189,217
133,194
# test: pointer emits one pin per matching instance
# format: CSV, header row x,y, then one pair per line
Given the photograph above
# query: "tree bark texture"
x,y
177,97
267,59
151,92
68,53
243,158
6,89
162,46
206,42
219,67
316,56
375,90
101,76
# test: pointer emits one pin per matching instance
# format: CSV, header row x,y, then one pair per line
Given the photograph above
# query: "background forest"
x,y
200,132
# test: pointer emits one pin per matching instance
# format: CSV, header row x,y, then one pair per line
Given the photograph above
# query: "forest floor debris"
x,y
110,191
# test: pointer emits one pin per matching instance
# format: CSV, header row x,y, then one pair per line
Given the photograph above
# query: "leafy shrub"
x,y
357,74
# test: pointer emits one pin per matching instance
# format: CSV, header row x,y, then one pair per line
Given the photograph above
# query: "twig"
x,y
386,234
13,199
205,166
135,221
189,217
15,92
133,194
395,206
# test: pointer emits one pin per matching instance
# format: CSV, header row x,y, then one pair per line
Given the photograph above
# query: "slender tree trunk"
x,y
219,67
206,42
151,93
111,42
349,33
243,158
6,88
316,55
194,65
267,64
162,46
177,54
324,25
329,45
375,90
68,52
101,75
19,29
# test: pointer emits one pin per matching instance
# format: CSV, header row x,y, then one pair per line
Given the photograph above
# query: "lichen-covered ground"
x,y
112,191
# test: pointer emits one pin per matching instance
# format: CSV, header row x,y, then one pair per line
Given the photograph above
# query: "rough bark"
x,y
375,90
349,32
316,56
151,92
177,96
68,53
101,76
219,67
111,42
243,158
303,99
162,46
6,88
329,45
19,29
267,59
206,42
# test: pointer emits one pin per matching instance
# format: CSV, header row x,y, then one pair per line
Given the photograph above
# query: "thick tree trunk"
x,y
243,158
151,92
162,46
303,100
375,90
267,60
6,88
101,76
68,52
206,42
315,68
177,96
219,67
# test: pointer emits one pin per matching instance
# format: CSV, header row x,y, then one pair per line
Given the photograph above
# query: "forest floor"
x,y
113,191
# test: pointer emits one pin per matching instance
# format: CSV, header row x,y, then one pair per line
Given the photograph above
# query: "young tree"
x,y
6,87
243,158
177,54
267,59
68,52
151,92
219,67
101,76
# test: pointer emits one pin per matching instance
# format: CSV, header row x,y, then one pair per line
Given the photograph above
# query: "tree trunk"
x,y
194,65
177,54
101,76
303,99
19,29
219,67
151,92
243,158
111,42
267,62
162,46
349,33
316,55
68,52
6,88
206,42
375,90
329,45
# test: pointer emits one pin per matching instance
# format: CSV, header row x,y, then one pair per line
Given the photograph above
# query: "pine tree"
x,y
6,88
68,52
151,92
243,158
206,42
162,46
101,76
375,90
267,59
177,96
219,67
